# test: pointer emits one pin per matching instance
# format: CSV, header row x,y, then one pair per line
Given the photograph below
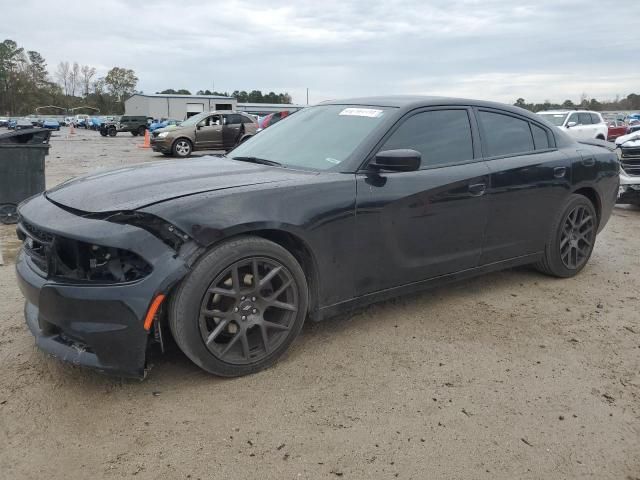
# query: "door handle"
x,y
477,189
559,172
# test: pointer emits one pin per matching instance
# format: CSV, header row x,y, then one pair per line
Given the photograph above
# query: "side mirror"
x,y
402,160
571,124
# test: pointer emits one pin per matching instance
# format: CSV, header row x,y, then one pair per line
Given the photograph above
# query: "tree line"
x,y
254,96
630,102
25,84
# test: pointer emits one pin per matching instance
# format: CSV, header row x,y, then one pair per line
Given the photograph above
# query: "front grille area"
x,y
58,257
630,160
37,245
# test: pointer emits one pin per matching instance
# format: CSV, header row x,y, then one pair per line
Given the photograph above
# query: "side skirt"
x,y
379,296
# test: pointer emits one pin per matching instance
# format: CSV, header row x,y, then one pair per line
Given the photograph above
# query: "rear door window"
x,y
595,118
441,136
505,135
585,118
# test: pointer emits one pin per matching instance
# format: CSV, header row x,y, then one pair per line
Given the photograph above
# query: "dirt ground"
x,y
513,375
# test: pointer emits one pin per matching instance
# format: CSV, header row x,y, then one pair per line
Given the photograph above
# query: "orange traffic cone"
x,y
147,140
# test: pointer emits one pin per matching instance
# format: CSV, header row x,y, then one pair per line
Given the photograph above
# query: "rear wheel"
x,y
112,131
182,148
240,307
573,235
8,214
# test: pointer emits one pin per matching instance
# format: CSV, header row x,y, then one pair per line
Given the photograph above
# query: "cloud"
x,y
500,50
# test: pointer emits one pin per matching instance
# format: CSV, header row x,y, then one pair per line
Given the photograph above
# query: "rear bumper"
x,y
94,325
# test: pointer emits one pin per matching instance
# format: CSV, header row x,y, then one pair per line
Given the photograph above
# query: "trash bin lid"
x,y
29,136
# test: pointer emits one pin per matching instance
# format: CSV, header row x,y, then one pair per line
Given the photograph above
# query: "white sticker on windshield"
x,y
332,160
362,112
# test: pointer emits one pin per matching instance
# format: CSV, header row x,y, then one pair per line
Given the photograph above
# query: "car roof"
x,y
410,102
567,111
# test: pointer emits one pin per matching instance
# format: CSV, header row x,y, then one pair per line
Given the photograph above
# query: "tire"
x,y
134,133
599,137
182,148
574,231
112,132
103,132
256,325
8,214
141,131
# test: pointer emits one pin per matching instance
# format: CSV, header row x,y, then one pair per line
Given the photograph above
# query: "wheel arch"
x,y
288,240
593,196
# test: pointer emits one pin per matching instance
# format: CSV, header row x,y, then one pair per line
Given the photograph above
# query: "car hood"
x,y
629,139
146,184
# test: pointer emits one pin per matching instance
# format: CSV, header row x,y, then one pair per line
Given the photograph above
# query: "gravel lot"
x,y
510,375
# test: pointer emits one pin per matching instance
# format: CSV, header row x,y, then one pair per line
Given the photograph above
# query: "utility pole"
x,y
307,95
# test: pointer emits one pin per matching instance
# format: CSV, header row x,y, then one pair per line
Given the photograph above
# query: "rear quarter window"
x,y
540,137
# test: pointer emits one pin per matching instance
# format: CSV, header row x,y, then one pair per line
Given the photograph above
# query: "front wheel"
x,y
571,240
182,148
113,132
240,308
141,131
134,133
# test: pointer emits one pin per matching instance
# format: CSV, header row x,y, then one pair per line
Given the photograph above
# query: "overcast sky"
x,y
489,49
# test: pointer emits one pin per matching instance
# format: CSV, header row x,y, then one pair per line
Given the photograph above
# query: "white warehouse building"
x,y
180,107
177,107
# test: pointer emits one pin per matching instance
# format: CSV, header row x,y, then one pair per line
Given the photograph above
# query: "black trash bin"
x,y
21,168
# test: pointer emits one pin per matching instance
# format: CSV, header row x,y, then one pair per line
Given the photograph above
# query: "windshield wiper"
x,y
261,161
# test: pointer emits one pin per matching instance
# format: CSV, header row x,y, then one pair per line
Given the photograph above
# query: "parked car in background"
x,y
94,123
135,124
11,124
616,128
23,124
628,150
221,130
633,128
4,121
345,203
273,118
580,124
51,124
163,124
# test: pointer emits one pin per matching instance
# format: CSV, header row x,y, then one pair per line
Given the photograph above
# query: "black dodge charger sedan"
x,y
342,204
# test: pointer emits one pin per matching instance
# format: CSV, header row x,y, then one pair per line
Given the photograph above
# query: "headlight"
x,y
162,134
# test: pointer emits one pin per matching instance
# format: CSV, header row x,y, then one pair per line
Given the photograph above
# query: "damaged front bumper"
x,y
629,190
87,322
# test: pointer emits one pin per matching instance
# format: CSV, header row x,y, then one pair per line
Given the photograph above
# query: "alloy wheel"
x,y
183,148
248,310
577,238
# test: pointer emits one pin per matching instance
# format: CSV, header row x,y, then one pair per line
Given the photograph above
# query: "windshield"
x,y
556,118
193,121
316,137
